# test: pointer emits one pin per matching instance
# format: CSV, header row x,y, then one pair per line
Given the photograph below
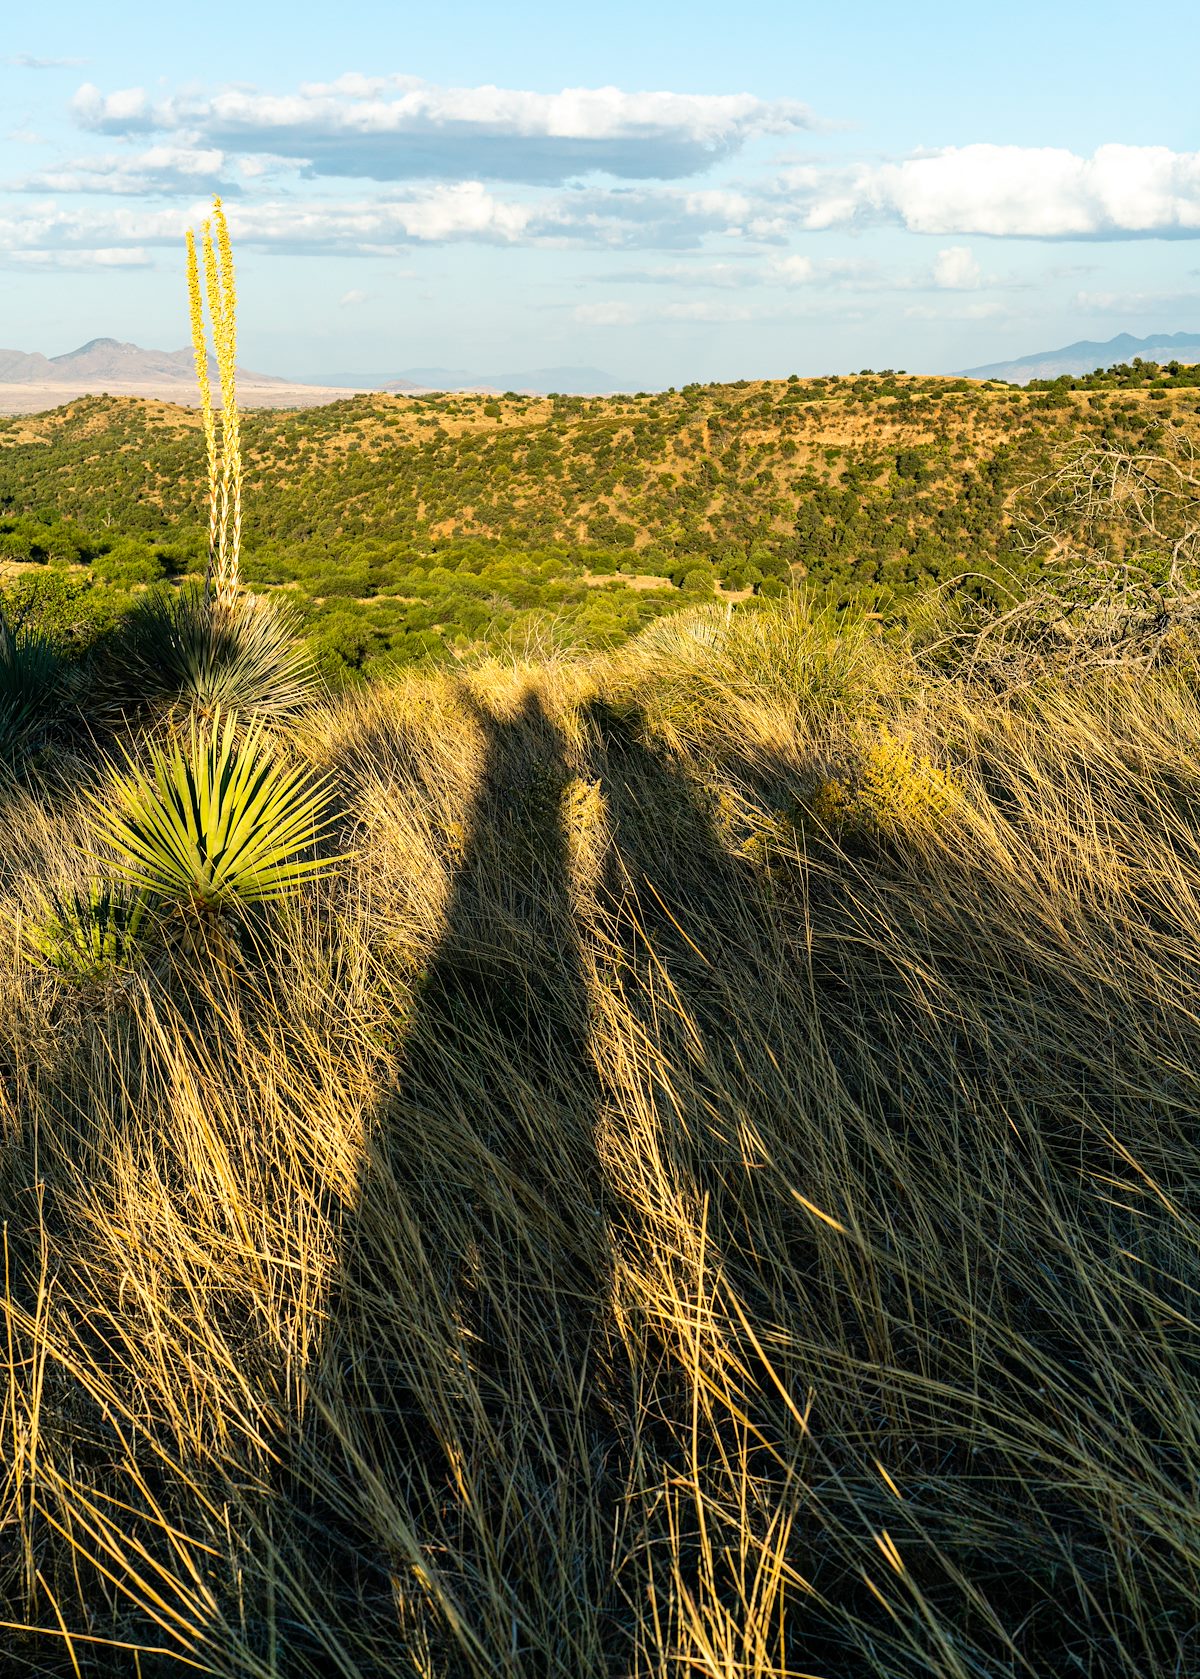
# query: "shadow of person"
x,y
716,1147
455,1455
707,968
809,1182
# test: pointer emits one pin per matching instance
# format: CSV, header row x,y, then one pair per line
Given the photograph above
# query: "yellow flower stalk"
x,y
200,352
225,459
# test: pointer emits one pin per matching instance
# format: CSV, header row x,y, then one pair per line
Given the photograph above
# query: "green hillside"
x,y
407,527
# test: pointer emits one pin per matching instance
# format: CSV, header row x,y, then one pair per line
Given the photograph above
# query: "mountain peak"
x,y
95,344
110,359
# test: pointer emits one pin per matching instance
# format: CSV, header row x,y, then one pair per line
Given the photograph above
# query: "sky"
x,y
666,192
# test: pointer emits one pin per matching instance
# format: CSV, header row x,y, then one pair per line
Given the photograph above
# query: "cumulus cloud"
x,y
376,227
352,299
955,269
128,111
395,128
1033,192
796,270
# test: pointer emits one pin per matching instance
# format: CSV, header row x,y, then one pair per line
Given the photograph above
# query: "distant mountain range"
x,y
107,358
107,364
571,381
1086,356
169,375
31,382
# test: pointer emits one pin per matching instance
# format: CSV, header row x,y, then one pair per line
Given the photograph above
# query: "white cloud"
x,y
119,256
27,61
794,271
128,111
726,276
396,128
352,299
607,314
1132,302
712,311
165,169
1013,191
955,269
442,213
957,311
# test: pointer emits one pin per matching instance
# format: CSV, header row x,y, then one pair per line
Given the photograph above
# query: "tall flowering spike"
x,y
225,463
227,354
200,352
216,310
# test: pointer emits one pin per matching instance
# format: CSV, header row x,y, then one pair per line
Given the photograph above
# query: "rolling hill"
x,y
407,526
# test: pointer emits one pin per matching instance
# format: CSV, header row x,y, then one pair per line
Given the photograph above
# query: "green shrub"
x,y
67,608
129,563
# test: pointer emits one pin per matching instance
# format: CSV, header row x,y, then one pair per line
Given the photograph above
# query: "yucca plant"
x,y
88,933
187,652
31,672
218,820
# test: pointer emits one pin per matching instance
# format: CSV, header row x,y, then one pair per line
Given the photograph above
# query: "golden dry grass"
x,y
640,1220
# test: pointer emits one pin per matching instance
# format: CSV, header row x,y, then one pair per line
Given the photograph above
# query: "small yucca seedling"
x,y
890,789
88,933
214,822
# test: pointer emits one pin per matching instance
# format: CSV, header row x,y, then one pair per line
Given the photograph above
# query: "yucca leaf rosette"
x,y
214,820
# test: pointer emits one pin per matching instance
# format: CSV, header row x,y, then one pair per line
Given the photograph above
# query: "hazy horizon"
x,y
653,195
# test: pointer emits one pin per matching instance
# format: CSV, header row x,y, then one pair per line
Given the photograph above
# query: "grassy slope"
x,y
405,526
711,1190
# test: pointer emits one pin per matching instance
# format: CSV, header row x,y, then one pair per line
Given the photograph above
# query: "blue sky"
x,y
664,191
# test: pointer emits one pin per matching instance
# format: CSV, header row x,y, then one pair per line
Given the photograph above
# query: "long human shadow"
x,y
708,964
720,966
747,976
456,1443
